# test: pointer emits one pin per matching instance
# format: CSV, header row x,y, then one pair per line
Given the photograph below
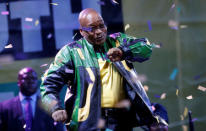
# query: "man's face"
x,y
27,81
94,30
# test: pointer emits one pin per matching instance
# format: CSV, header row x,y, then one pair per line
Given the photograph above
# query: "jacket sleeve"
x,y
135,49
59,73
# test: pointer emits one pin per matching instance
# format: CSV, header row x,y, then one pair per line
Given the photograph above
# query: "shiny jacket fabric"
x,y
77,66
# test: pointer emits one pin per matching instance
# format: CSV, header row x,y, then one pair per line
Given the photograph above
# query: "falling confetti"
x,y
68,70
173,6
123,104
185,112
157,96
28,19
8,46
49,36
54,3
24,126
36,22
183,26
184,128
126,27
173,24
74,36
189,97
114,2
201,88
101,123
182,117
146,88
163,96
178,9
27,27
55,123
194,119
107,129
173,74
149,25
100,2
44,65
4,13
177,92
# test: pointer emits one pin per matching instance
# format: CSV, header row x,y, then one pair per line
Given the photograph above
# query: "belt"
x,y
113,111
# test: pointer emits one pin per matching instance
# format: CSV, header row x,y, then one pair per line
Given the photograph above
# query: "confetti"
x,y
194,119
123,104
54,3
126,27
36,22
185,112
149,25
177,92
163,96
68,70
184,128
155,46
28,19
107,129
182,117
8,46
146,88
4,13
114,2
24,126
157,96
178,9
183,26
27,27
189,97
141,77
55,123
100,2
173,24
74,36
101,123
173,74
49,36
44,65
201,88
173,6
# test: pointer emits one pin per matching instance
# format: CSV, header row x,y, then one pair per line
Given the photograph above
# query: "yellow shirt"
x,y
112,84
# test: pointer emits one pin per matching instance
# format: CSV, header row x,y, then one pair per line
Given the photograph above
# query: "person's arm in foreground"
x,y
58,74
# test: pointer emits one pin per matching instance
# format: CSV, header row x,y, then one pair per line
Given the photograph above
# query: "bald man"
x,y
103,91
23,113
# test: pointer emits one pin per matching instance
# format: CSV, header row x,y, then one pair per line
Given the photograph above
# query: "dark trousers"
x,y
116,119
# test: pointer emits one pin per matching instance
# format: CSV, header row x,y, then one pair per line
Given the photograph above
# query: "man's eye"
x,y
102,26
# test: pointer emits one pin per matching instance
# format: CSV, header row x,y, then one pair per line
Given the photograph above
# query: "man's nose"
x,y
98,31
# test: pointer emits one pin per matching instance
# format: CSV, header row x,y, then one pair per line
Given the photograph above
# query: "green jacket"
x,y
77,66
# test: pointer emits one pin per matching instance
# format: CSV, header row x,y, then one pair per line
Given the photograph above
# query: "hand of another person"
x,y
59,116
115,54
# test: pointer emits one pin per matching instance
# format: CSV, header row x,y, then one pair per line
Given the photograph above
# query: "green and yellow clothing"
x,y
76,65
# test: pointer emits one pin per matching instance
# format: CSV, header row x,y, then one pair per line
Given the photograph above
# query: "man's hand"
x,y
59,116
114,54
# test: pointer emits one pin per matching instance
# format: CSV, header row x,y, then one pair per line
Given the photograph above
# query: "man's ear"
x,y
81,32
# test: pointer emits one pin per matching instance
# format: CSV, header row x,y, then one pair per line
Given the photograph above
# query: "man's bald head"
x,y
87,15
92,27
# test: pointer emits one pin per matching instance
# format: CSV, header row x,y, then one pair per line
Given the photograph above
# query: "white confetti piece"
x,y
126,27
54,3
8,46
28,19
201,88
189,97
163,96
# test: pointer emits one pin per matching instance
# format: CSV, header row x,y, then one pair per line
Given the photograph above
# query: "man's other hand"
x,y
115,54
59,116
